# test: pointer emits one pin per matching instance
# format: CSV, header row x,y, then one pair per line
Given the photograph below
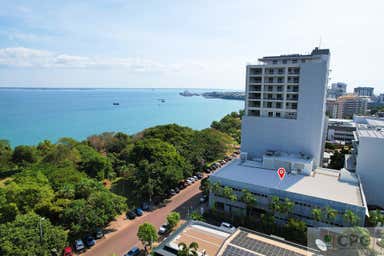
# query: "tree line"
x,y
54,193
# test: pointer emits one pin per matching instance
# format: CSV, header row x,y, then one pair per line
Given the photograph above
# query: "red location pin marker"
x,y
281,173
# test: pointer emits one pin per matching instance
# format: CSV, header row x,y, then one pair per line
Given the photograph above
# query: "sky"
x,y
182,44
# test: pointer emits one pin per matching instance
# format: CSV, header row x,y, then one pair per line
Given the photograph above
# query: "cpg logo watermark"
x,y
347,241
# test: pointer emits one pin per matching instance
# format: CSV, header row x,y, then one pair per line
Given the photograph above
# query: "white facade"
x,y
341,130
369,152
319,188
285,105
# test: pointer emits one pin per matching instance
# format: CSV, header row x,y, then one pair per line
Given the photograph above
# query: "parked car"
x,y
89,241
207,170
172,192
199,175
177,190
133,252
228,226
195,178
189,181
67,251
79,245
163,229
130,215
139,212
99,233
203,198
145,206
182,185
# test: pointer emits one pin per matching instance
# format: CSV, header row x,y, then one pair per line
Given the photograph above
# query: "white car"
x,y
163,229
227,226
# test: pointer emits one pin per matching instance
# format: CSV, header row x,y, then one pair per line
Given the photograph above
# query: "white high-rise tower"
x,y
285,105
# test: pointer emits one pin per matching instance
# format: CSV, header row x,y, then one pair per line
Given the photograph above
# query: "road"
x,y
121,240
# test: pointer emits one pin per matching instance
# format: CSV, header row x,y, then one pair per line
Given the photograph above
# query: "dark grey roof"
x,y
315,51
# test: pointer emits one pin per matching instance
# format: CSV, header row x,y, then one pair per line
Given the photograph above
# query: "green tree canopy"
x,y
5,155
159,166
173,219
229,124
147,234
24,155
93,163
22,236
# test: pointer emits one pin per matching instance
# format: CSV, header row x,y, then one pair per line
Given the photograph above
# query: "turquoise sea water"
x,y
28,116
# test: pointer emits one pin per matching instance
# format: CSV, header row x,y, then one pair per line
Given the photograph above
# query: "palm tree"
x,y
287,206
375,218
330,213
249,199
275,205
190,250
316,214
216,188
228,193
351,218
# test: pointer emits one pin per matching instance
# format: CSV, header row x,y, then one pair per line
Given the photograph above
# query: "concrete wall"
x,y
370,167
305,134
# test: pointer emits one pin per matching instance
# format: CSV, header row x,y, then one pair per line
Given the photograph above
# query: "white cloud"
x,y
20,57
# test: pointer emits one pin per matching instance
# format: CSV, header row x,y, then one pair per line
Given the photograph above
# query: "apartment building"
x,y
350,104
285,104
337,89
364,91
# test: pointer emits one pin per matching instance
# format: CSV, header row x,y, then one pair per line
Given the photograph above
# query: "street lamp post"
x,y
41,230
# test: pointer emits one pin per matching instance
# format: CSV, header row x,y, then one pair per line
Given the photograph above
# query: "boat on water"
x,y
116,103
161,100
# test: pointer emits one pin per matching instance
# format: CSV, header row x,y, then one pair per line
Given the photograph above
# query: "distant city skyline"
x,y
181,44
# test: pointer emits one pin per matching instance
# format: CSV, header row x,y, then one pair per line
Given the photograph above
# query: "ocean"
x,y
28,116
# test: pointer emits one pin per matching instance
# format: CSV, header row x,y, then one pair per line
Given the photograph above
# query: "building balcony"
x,y
254,96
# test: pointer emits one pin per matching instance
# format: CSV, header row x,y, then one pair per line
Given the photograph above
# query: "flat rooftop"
x,y
215,241
323,183
210,238
371,133
249,243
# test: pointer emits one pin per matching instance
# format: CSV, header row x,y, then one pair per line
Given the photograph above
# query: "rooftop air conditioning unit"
x,y
244,156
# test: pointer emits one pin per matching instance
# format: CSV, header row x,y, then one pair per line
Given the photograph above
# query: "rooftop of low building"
x,y
322,183
213,240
